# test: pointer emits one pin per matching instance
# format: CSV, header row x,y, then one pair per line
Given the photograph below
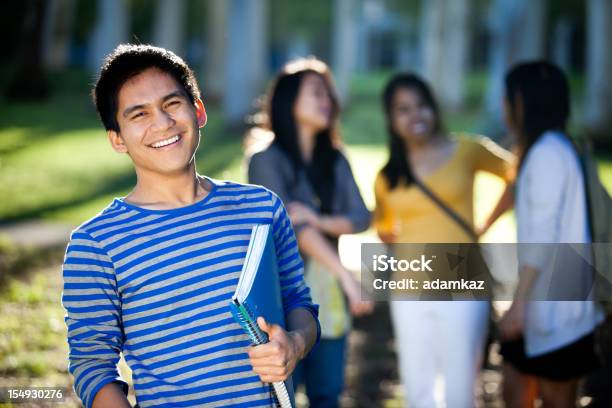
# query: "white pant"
x,y
439,340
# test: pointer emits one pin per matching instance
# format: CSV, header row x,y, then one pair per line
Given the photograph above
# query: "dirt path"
x,y
36,233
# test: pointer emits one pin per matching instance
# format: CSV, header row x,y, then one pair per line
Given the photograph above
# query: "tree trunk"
x,y
598,109
562,43
214,58
29,81
169,28
59,19
344,47
517,30
444,48
245,58
111,29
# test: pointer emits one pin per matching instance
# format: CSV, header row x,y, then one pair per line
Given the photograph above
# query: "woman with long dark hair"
x,y
548,346
306,168
434,338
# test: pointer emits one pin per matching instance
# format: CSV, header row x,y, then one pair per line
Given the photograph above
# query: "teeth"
x,y
166,142
419,127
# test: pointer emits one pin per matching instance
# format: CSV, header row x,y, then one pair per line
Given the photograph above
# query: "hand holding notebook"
x,y
258,295
275,360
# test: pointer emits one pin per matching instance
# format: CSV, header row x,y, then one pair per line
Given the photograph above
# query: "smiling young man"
x,y
153,273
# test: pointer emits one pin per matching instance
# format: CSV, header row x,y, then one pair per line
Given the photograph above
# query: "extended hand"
x,y
275,360
301,214
352,289
511,324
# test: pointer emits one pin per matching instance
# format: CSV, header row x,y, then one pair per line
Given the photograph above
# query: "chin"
x,y
173,171
172,168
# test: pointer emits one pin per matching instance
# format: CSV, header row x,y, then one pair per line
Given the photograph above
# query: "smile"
x,y
419,127
166,142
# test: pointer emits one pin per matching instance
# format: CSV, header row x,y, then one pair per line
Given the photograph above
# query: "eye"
x,y
402,109
173,103
137,115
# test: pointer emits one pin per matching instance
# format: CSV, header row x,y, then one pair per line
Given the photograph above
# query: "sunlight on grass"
x,y
33,348
71,175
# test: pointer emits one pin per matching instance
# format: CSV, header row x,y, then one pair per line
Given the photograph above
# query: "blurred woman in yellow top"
x,y
433,338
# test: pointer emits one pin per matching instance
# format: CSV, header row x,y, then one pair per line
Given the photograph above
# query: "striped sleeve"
x,y
294,291
93,316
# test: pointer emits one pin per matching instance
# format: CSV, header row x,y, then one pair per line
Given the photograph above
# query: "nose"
x,y
162,120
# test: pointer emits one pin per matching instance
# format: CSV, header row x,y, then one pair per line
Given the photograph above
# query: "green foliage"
x,y
84,21
310,19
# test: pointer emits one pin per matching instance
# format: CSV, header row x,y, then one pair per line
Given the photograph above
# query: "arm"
x,y
334,225
383,216
492,158
512,323
111,396
93,318
505,203
353,215
265,170
542,183
316,246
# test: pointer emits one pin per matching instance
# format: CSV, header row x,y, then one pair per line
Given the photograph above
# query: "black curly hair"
x,y
127,61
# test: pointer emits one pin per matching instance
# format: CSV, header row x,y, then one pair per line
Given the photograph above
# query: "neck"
x,y
306,140
168,190
431,142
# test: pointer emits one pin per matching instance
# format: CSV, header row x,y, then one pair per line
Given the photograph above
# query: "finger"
x,y
271,362
272,379
365,308
269,370
276,360
356,310
294,206
270,349
263,325
274,331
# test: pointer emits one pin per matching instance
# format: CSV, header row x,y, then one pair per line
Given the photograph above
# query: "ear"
x,y
116,141
200,113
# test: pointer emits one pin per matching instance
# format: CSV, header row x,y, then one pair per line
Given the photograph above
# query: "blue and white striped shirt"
x,y
156,285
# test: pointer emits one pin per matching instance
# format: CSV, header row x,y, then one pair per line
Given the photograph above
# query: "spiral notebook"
x,y
258,294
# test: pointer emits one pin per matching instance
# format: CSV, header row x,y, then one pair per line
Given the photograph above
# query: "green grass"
x,y
33,348
65,169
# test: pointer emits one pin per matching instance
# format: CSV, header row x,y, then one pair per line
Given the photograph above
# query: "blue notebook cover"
x,y
258,293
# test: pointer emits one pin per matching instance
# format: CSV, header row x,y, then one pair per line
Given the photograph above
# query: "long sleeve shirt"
x,y
156,285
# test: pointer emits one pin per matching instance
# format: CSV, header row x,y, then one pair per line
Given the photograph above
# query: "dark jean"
x,y
322,372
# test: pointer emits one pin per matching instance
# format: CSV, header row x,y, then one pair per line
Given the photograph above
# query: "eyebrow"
x,y
134,108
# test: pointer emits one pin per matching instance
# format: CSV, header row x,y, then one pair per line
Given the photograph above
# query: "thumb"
x,y
263,325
